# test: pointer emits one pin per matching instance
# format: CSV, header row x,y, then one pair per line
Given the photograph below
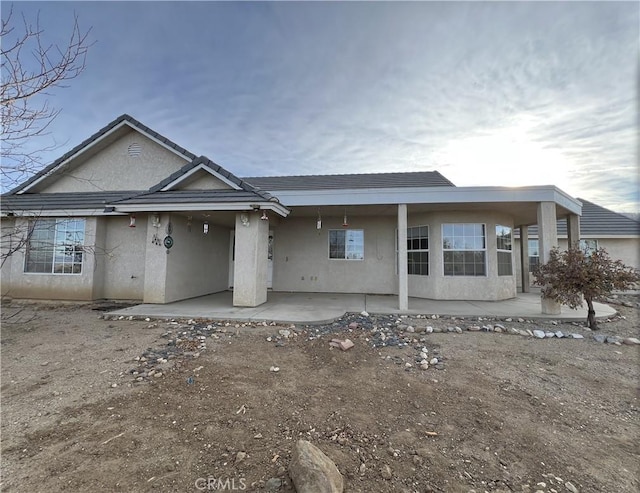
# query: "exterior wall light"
x,y
264,216
205,227
244,219
132,220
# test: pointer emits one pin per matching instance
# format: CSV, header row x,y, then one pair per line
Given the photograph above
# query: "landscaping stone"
x,y
631,341
539,334
312,471
600,338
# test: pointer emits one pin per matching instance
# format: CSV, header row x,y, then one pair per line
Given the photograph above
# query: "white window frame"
x,y
508,250
57,246
586,247
464,248
537,249
347,233
418,250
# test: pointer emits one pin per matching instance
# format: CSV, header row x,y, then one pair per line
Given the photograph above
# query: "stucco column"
x,y
155,261
403,278
524,258
250,267
573,230
548,239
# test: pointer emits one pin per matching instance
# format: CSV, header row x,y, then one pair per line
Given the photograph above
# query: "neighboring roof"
x,y
598,221
61,201
352,181
100,133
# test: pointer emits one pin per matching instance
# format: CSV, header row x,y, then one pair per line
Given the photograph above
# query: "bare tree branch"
x,y
31,68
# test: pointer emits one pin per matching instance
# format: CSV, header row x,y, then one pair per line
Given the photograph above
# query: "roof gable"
x,y
97,142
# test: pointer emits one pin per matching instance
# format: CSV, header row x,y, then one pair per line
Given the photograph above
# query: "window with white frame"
x,y
346,244
588,246
55,246
418,250
534,255
464,249
504,246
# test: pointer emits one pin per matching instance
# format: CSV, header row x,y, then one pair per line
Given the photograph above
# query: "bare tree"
x,y
31,68
571,275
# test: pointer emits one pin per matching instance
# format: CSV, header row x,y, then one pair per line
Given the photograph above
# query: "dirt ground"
x,y
82,411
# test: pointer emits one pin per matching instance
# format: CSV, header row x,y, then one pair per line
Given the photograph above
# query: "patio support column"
x,y
573,230
403,277
250,266
524,258
548,239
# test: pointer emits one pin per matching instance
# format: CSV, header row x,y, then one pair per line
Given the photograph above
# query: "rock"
x,y
284,333
364,313
599,337
513,331
240,456
614,340
344,345
559,334
312,471
569,485
523,332
457,330
273,484
539,334
631,340
424,365
473,328
429,329
577,336
411,329
521,320
354,325
385,472
362,469
424,355
549,334
497,329
274,369
434,361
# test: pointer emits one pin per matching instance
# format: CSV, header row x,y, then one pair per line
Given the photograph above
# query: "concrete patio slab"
x,y
315,308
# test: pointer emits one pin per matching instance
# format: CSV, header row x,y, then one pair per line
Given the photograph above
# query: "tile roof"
x,y
64,201
135,123
194,196
205,161
350,181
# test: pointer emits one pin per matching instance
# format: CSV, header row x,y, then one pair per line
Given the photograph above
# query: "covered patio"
x,y
316,308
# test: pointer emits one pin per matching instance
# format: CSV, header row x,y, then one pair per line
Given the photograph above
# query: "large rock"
x,y
312,471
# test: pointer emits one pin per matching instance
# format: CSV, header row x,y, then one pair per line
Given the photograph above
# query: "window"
x,y
534,255
588,246
503,243
464,249
418,250
55,246
346,244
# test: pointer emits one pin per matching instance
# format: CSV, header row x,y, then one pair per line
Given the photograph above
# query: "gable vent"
x,y
134,150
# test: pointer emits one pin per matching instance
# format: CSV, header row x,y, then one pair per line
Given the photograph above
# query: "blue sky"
x,y
487,93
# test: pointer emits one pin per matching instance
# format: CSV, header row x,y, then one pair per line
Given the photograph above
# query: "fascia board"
x,y
203,206
59,213
427,195
96,142
206,168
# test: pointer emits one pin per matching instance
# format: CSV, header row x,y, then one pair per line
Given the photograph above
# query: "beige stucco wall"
x,y
9,238
203,180
78,287
123,258
197,264
113,168
301,257
301,260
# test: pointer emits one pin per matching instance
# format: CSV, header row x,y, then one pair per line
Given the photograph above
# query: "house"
x,y
129,214
618,234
